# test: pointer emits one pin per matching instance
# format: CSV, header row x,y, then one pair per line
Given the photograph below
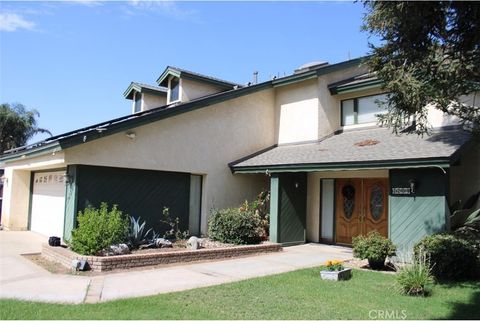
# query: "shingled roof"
x,y
374,147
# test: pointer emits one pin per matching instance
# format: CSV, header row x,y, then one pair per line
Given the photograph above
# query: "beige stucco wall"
x,y
16,199
150,101
314,194
16,190
191,89
203,142
306,111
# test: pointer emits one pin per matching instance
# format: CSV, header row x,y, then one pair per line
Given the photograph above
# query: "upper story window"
x,y
174,89
361,110
138,102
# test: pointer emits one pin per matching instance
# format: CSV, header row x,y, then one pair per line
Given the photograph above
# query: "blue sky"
x,y
73,60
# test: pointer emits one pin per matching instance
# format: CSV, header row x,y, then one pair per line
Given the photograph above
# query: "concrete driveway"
x,y
21,279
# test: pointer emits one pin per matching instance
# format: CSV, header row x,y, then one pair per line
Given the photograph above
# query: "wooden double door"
x,y
361,206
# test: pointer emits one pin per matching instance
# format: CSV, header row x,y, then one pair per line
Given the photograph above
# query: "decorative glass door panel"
x,y
361,207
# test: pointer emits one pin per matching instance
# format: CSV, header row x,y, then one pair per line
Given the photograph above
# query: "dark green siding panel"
x,y
136,192
70,202
292,208
414,216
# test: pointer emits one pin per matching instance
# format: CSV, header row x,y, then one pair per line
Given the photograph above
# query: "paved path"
x,y
21,279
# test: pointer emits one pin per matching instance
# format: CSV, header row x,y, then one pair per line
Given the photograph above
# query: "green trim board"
x,y
71,196
141,88
290,168
182,73
30,199
365,85
124,123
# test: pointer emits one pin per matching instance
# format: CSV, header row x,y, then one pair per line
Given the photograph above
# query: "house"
x,y
193,143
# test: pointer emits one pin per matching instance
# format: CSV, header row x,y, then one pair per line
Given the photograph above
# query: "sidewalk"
x,y
21,279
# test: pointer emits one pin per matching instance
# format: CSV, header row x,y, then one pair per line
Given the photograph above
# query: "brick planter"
x,y
65,256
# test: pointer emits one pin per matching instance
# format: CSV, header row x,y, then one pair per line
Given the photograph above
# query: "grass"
x,y
295,295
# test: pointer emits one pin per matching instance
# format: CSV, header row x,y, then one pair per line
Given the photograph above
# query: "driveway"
x,y
21,279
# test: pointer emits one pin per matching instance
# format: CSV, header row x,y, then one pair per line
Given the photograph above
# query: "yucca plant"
x,y
137,235
414,275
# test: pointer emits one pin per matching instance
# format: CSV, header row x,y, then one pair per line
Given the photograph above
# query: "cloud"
x,y
12,22
164,7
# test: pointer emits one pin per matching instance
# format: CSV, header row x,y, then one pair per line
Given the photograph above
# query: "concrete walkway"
x,y
22,279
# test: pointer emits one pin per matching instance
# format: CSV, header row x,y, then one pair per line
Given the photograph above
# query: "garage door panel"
x,y
48,203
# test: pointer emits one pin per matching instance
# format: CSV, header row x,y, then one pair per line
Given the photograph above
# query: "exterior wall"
x,y
139,193
16,190
150,101
16,195
201,142
288,208
306,111
465,176
191,89
314,194
425,212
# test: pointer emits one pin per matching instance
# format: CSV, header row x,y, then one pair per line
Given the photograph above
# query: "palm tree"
x,y
17,126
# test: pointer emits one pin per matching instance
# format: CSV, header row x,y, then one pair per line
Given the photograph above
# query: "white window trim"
x,y
180,90
141,102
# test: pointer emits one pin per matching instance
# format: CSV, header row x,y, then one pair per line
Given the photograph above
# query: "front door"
x,y
361,207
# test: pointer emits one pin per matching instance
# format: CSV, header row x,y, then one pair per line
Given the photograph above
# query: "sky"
x,y
73,60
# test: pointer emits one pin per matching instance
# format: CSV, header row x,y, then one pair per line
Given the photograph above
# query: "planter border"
x,y
342,275
65,256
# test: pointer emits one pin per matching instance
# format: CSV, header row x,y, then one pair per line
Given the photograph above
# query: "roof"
x,y
374,147
179,72
359,82
124,123
144,88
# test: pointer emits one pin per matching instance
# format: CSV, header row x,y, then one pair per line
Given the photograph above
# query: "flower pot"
x,y
376,264
344,274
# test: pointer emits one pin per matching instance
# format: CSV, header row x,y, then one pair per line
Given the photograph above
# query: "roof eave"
x,y
371,84
442,162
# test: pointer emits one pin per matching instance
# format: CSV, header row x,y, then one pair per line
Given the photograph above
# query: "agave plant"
x,y
137,235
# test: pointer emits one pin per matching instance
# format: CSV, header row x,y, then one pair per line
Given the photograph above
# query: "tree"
x,y
429,54
17,126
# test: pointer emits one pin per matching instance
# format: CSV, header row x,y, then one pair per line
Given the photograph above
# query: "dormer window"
x,y
174,89
138,103
362,110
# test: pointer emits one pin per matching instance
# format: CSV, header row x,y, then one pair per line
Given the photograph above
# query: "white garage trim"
x,y
47,205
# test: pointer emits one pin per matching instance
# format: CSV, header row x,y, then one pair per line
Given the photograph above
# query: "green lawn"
x,y
295,295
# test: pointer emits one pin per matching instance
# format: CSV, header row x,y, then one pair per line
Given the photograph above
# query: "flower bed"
x,y
65,256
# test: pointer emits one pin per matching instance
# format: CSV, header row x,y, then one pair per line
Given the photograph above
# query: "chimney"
x,y
310,66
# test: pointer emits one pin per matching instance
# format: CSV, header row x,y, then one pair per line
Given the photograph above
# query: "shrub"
x,y
98,229
137,235
373,247
450,257
260,206
414,275
235,226
174,231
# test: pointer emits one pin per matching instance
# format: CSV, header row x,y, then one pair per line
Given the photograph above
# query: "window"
x,y
361,110
174,89
138,102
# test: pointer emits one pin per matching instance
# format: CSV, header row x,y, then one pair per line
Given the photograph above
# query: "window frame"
x,y
355,109
135,100
170,101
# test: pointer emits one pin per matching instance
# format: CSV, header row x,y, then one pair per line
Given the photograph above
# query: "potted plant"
x,y
335,271
373,247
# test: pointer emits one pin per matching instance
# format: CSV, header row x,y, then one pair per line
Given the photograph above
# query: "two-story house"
x,y
194,142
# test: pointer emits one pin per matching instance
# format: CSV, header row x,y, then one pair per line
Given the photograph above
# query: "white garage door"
x,y
48,203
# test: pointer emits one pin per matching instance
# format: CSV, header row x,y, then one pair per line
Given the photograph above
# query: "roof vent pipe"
x,y
255,77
